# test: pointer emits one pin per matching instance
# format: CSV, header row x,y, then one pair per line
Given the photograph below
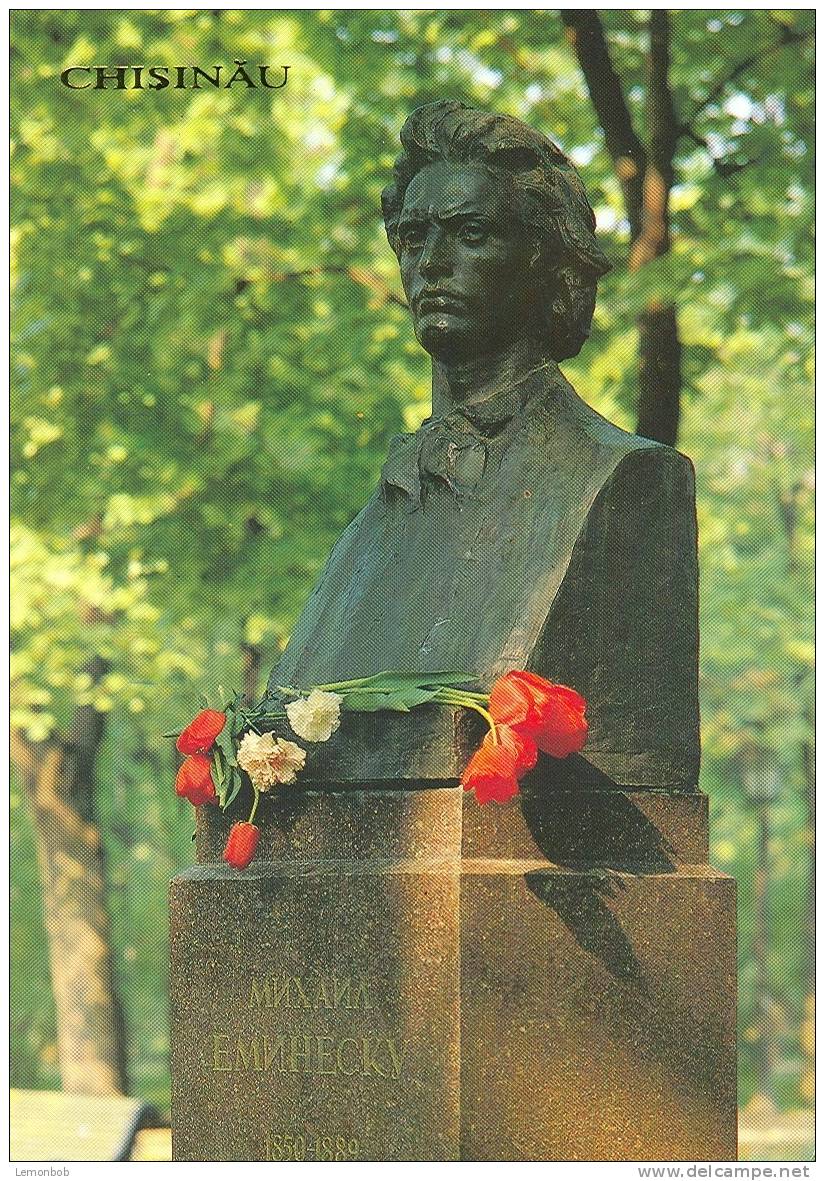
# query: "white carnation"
x,y
316,717
268,760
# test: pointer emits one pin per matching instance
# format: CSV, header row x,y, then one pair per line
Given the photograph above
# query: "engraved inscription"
x,y
300,1146
298,1050
369,1055
315,992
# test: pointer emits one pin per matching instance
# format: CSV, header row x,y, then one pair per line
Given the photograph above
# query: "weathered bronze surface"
x,y
517,528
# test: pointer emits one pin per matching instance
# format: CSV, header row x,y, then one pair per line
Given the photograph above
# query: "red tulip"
x,y
521,746
194,781
491,773
199,736
552,715
241,844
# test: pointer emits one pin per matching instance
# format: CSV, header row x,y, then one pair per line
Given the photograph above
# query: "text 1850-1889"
x,y
308,1146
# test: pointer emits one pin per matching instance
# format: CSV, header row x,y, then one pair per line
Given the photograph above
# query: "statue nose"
x,y
436,257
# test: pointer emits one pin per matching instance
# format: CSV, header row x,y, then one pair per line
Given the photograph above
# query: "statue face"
x,y
465,261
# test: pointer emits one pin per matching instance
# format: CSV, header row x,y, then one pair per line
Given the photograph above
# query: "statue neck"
x,y
458,384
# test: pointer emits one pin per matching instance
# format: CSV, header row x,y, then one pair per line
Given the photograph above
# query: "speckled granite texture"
x,y
405,976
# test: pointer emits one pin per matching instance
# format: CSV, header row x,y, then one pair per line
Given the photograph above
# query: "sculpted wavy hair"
x,y
552,204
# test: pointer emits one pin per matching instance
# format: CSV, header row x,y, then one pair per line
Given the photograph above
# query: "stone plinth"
x,y
601,1024
402,975
315,1006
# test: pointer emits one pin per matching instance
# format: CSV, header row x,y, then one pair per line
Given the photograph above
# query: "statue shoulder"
x,y
646,504
623,626
645,469
613,459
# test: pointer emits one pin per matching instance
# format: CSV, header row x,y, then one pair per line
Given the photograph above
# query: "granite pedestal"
x,y
402,975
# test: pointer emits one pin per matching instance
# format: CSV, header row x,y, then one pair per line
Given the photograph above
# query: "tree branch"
x,y
653,239
586,35
722,167
786,37
661,118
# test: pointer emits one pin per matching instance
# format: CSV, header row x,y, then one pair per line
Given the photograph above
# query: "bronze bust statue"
x,y
517,528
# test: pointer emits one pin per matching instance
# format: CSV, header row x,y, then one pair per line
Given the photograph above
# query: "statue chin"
x,y
447,341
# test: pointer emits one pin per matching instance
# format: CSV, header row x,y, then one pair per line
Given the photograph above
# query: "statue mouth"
x,y
440,301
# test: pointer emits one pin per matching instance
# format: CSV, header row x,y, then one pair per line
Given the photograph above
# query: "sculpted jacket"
x,y
527,532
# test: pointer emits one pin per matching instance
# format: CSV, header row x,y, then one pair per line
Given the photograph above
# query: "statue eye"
x,y
412,237
473,232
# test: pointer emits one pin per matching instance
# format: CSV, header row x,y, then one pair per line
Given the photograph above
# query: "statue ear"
x,y
560,306
535,257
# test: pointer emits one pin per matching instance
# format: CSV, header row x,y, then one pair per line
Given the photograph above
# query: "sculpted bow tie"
x,y
453,449
456,448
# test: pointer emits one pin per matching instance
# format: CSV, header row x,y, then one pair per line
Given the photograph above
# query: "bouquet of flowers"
x,y
525,714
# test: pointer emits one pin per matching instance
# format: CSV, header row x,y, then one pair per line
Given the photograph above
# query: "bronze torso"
x,y
526,531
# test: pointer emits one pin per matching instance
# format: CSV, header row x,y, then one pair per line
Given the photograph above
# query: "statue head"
x,y
493,232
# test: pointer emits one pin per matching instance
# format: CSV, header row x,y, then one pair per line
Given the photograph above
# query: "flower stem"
x,y
254,711
255,803
289,691
460,696
344,684
450,696
468,701
485,713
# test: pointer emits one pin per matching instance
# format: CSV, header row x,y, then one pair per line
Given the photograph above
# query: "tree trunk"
x,y
761,779
765,1048
251,654
807,1029
586,35
646,178
58,776
660,374
660,352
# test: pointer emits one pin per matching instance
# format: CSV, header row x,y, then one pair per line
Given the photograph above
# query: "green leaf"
x,y
225,743
235,783
236,724
403,699
372,702
218,765
219,774
392,679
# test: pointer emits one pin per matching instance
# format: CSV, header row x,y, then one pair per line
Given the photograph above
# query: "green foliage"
x,y
211,353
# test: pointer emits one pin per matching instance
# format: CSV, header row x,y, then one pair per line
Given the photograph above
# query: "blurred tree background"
x,y
211,352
